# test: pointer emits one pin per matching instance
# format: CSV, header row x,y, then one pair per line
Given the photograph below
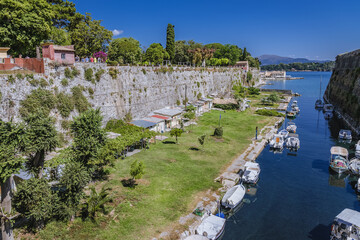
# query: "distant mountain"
x,y
274,59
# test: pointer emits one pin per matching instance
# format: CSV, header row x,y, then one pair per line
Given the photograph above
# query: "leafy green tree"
x,y
170,41
125,50
274,97
156,53
74,178
66,16
231,52
182,54
89,36
89,137
176,132
216,46
60,36
244,54
36,201
137,170
11,142
41,138
96,201
218,132
24,25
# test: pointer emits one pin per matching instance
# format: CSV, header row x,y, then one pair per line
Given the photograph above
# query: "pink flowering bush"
x,y
101,55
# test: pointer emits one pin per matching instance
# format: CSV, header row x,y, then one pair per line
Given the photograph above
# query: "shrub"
x,y
65,124
11,79
248,76
19,76
198,84
189,115
137,169
33,82
89,74
98,74
96,202
229,106
75,72
65,104
80,101
38,100
178,102
113,73
274,97
218,132
91,91
64,82
253,91
51,81
112,63
29,76
68,73
267,112
144,71
199,96
43,83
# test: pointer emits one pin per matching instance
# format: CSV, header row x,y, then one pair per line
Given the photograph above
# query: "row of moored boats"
x,y
212,226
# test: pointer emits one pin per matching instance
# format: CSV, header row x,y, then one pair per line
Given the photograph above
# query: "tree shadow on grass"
x,y
169,142
130,183
194,149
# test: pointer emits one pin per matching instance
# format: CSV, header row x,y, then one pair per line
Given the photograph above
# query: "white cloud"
x,y
117,32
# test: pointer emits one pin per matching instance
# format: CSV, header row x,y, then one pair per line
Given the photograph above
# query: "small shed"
x,y
160,124
61,54
3,53
173,115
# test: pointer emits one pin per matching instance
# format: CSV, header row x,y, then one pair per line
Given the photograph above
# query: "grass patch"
x,y
267,112
174,175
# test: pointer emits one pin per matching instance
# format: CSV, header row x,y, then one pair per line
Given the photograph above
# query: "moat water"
x,y
297,196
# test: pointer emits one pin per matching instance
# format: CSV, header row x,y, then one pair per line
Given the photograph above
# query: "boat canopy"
x,y
251,165
293,135
339,151
348,132
349,216
212,225
291,123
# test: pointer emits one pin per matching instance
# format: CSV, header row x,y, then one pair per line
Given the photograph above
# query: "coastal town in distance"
x,y
179,120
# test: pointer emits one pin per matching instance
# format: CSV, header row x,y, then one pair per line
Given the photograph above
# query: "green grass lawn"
x,y
174,176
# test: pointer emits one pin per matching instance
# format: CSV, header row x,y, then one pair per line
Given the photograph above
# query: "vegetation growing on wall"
x,y
80,101
65,104
38,99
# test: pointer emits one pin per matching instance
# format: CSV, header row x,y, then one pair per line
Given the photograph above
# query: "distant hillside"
x,y
274,59
308,66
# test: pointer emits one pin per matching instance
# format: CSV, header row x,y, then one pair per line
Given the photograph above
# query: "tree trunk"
x,y
6,192
39,162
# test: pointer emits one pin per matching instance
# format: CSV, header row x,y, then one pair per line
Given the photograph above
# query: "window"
x,y
63,56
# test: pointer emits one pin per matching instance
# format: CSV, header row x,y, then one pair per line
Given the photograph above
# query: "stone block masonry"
x,y
122,90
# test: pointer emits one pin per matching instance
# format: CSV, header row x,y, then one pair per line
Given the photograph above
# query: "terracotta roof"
x,y
64,48
161,117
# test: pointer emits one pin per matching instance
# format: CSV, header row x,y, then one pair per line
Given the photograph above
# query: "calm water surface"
x,y
297,197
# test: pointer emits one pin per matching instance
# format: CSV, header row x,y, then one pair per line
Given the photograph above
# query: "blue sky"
x,y
315,29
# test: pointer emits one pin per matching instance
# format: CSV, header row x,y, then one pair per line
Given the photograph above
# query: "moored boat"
x,y
277,142
284,133
346,225
357,149
233,196
291,114
354,166
328,115
251,173
319,104
328,108
292,142
295,109
291,128
339,159
345,134
211,227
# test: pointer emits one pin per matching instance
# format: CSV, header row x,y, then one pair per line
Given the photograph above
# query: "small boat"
x,y
284,133
346,225
357,149
295,109
252,172
291,114
211,227
328,108
354,166
277,142
233,196
339,159
292,142
319,104
345,134
328,115
294,104
291,128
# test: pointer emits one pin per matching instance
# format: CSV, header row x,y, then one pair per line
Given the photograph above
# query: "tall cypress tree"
x,y
170,41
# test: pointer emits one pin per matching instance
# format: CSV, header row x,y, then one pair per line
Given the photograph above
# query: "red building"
x,y
61,54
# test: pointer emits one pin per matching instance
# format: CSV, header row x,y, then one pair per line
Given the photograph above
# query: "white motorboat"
x,y
294,104
251,173
345,134
284,132
319,104
295,109
233,196
339,159
292,142
357,149
277,142
328,115
346,225
211,227
354,166
291,128
328,108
